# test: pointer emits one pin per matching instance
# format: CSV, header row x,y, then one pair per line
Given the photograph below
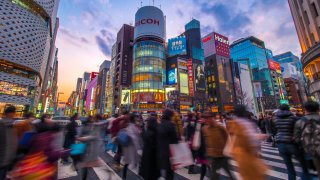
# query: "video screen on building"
x,y
172,76
184,89
125,96
199,77
177,46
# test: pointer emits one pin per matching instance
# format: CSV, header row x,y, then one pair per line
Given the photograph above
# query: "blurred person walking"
x,y
179,125
130,151
307,133
216,139
167,135
44,152
24,126
70,135
8,141
91,135
244,145
190,129
284,124
149,167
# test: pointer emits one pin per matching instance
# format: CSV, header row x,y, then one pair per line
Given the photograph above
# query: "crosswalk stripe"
x,y
105,172
269,154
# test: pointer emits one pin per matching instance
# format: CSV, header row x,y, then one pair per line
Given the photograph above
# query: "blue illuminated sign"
x,y
177,46
172,76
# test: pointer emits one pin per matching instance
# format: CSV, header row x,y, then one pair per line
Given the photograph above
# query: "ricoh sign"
x,y
149,21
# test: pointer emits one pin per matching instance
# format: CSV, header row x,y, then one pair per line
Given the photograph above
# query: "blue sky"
x,y
88,27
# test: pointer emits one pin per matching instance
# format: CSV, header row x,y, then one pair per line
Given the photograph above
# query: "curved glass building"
x,y
148,75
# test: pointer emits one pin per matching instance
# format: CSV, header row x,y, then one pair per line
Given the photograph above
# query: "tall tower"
x,y
148,76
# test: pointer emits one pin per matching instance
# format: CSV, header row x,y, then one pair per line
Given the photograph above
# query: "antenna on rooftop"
x,y
160,6
141,3
153,2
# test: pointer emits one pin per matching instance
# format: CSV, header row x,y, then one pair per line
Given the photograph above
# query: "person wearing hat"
x,y
215,136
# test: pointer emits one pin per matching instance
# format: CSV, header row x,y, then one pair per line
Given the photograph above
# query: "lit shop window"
x,y
16,89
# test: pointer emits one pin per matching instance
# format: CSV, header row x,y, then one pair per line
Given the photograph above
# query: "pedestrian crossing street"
x,y
269,154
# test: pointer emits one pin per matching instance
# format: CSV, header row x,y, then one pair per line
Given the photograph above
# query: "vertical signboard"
x,y
93,75
190,78
208,45
273,65
172,76
199,77
221,44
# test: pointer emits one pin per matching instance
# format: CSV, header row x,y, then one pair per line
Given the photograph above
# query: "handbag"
x,y
180,155
34,167
196,141
78,149
227,151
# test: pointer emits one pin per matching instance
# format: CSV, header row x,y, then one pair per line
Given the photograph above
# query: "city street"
x,y
269,154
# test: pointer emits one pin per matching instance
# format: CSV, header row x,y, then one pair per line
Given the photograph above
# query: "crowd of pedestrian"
x,y
31,149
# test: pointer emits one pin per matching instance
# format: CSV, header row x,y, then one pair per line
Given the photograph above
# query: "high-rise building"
x,y
306,17
27,29
148,77
266,88
102,87
122,58
218,73
195,54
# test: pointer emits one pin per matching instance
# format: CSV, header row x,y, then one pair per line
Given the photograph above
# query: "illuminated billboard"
x,y
125,96
273,65
199,77
172,76
149,21
184,88
177,46
148,97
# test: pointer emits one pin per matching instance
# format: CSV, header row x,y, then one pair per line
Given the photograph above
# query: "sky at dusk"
x,y
88,28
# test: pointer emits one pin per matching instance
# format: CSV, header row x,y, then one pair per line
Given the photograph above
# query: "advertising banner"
x,y
147,97
190,78
199,77
177,46
182,64
125,96
184,88
273,65
208,45
149,20
172,76
258,89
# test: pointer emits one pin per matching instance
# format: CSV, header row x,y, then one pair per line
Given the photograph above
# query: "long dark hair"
x,y
167,114
152,123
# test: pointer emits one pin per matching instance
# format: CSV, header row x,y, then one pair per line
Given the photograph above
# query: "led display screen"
x,y
184,89
172,76
177,46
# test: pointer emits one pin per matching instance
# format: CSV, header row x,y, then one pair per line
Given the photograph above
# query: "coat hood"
x,y
283,114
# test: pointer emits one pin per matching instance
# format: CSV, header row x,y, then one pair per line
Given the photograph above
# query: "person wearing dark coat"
x,y
166,135
284,123
71,133
149,168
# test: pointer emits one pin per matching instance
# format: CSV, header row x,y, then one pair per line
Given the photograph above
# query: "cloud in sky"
x,y
88,28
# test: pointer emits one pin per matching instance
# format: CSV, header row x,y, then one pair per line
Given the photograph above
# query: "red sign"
x,y
93,75
273,65
190,78
206,39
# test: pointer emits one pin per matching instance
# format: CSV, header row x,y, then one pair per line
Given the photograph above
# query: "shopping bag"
x,y
227,151
196,141
78,149
180,155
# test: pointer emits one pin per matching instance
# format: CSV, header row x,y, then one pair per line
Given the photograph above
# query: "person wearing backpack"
x,y
307,133
284,122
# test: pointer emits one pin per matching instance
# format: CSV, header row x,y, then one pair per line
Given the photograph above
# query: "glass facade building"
x,y
254,49
148,75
